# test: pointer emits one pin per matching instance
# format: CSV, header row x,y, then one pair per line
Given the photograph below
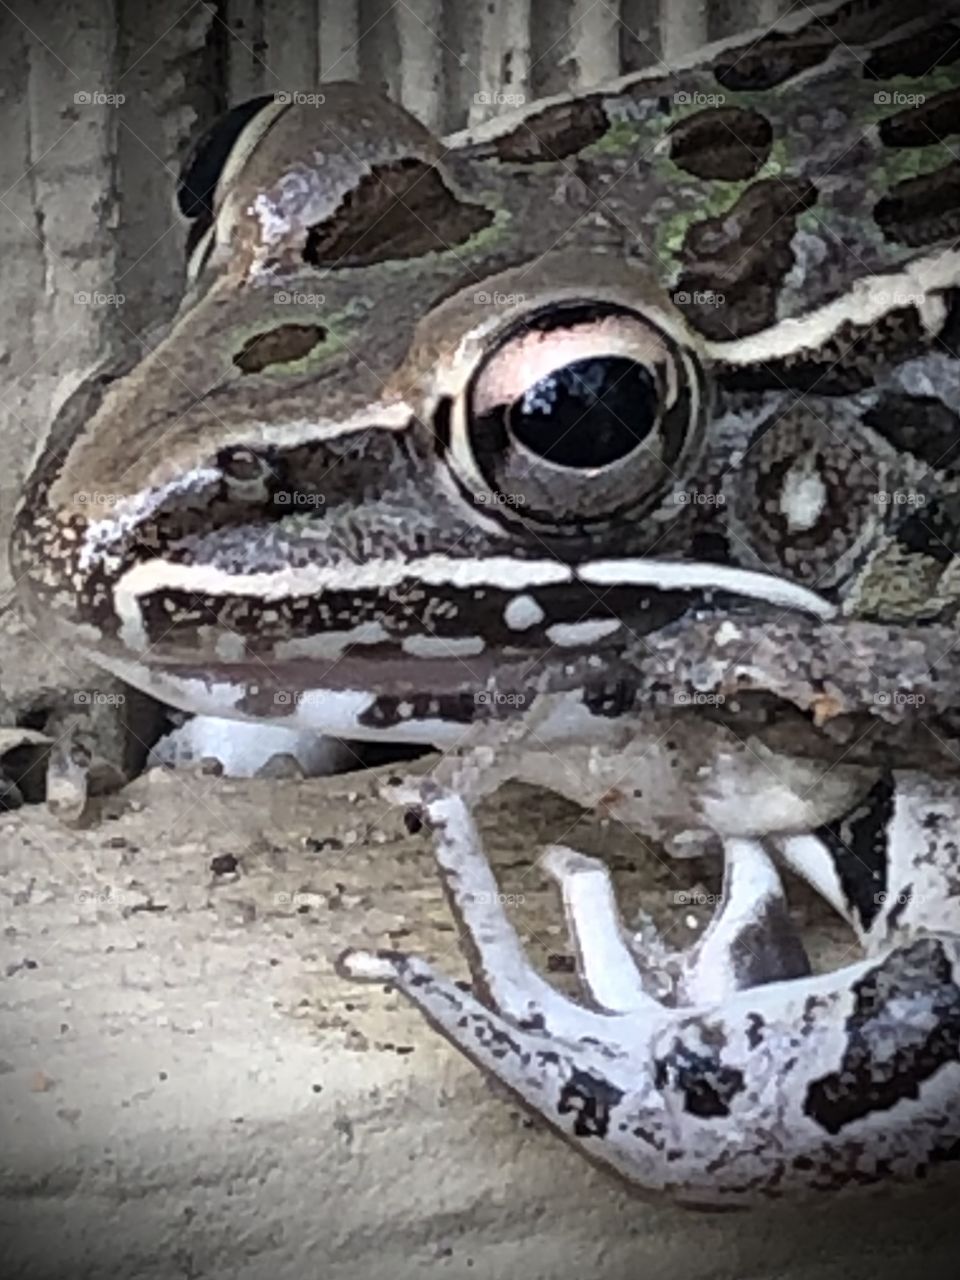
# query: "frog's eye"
x,y
583,412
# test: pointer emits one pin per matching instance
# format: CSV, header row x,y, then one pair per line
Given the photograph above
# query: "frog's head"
x,y
400,429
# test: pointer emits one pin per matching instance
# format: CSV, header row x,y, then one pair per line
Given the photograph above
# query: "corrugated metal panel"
x,y
454,64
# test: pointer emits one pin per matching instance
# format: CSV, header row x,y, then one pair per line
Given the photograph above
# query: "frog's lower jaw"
x,y
761,1089
338,713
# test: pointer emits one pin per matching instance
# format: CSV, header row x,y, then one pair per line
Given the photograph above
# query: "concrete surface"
x,y
188,1090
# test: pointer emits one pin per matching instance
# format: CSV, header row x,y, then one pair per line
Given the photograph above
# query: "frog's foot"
x,y
793,1087
749,941
498,962
606,963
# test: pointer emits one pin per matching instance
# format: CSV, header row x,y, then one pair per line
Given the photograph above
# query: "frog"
x,y
445,431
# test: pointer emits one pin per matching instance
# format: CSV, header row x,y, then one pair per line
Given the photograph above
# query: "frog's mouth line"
x,y
451,687
271,677
437,573
171,614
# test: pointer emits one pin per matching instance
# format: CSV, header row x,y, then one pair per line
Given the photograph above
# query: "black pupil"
x,y
588,413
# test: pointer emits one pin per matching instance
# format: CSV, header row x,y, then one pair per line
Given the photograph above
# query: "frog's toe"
x,y
501,971
751,939
369,966
554,1076
606,963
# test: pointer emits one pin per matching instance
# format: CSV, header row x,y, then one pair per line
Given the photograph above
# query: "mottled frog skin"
x,y
443,432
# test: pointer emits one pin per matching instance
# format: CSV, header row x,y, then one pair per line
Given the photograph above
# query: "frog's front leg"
x,y
789,1088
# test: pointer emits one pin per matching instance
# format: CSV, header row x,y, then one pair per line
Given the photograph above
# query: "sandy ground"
x,y
187,1089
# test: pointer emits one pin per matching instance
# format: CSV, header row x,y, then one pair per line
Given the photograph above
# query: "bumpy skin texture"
x,y
798,1086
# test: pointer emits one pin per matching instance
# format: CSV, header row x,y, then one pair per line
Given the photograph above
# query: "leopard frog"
x,y
441,429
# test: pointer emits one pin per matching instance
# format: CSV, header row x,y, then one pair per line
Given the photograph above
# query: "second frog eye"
x,y
581,412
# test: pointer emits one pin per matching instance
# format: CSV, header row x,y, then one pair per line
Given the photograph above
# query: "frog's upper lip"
x,y
696,575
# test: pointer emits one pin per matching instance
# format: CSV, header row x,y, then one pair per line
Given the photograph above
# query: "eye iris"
x,y
588,413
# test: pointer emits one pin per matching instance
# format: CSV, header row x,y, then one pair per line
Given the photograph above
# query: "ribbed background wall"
x,y
452,62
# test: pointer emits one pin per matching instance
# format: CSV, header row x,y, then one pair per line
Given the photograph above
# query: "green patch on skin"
x,y
902,93
623,136
897,586
711,199
940,80
810,222
714,199
902,163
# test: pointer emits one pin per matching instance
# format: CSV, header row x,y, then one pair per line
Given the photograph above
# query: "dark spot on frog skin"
x,y
915,55
388,710
734,263
920,210
559,130
770,62
593,1099
933,529
899,907
891,1052
921,425
727,143
755,1029
930,121
610,699
497,1042
399,210
285,343
768,949
707,1086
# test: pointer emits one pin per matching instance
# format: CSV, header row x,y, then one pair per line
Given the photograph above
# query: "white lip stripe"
x,y
443,646
435,571
501,572
669,575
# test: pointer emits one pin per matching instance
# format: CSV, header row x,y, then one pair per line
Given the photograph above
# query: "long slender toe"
x,y
606,964
751,940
